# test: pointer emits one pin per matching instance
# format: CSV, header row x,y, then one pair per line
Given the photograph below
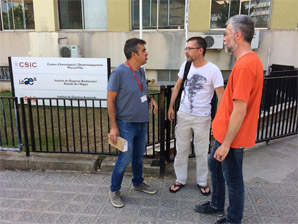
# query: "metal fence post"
x,y
31,124
25,127
168,93
162,130
18,127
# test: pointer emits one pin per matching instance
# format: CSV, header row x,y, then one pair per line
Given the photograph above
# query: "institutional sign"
x,y
69,78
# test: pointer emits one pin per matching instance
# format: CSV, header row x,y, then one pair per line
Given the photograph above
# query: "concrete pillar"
x,y
118,15
45,15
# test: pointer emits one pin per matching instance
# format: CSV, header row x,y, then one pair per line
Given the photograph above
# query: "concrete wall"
x,y
14,44
165,47
118,15
199,19
5,85
45,15
284,15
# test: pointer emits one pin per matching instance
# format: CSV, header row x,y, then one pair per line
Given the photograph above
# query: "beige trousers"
x,y
200,126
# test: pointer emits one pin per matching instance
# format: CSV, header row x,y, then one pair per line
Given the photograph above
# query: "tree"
x,y
234,10
18,18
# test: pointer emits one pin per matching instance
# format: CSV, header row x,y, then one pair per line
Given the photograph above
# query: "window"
x,y
82,14
222,10
167,77
17,14
159,14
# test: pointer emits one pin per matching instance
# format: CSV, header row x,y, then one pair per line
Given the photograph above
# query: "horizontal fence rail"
x,y
10,134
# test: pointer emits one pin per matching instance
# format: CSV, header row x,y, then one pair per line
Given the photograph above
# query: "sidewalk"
x,y
270,173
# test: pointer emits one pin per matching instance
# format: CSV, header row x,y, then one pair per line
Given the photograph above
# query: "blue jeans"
x,y
229,171
135,134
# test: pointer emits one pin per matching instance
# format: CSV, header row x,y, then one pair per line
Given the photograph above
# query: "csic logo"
x,y
27,81
23,64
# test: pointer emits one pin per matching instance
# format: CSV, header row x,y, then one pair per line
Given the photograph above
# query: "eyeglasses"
x,y
191,48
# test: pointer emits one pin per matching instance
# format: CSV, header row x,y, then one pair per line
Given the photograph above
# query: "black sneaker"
x,y
207,208
222,221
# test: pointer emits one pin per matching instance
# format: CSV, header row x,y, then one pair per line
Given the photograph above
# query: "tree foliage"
x,y
18,18
234,10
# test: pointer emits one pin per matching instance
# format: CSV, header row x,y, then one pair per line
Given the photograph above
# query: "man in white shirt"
x,y
194,114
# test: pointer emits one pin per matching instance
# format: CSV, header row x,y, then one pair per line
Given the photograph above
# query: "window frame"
x,y
257,28
83,21
13,21
170,73
157,20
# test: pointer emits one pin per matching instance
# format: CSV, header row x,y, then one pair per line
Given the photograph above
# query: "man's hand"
x,y
153,105
114,133
221,153
171,114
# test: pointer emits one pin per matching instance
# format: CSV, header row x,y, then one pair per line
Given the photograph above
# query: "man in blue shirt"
x,y
128,112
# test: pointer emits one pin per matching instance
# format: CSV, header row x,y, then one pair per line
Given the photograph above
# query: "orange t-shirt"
x,y
246,84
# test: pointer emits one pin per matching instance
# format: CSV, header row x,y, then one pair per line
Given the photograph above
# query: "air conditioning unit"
x,y
214,41
69,51
255,40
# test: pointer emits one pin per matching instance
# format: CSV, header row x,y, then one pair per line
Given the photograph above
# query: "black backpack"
x,y
186,70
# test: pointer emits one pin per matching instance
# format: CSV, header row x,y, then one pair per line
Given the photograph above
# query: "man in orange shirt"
x,y
235,124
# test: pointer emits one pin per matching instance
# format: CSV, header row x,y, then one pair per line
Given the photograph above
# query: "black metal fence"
x,y
63,126
278,112
277,116
75,126
81,125
10,134
67,125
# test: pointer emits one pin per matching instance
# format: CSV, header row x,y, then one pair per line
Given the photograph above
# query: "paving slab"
x,y
82,197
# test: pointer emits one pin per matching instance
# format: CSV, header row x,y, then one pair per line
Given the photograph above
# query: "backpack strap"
x,y
186,70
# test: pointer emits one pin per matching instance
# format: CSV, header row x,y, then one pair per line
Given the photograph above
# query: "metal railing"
x,y
67,125
10,132
82,125
278,111
75,126
4,73
278,115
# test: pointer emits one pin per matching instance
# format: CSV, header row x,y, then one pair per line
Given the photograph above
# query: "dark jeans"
x,y
135,134
229,171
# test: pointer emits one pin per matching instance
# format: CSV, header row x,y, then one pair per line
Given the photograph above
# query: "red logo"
x,y
27,64
31,98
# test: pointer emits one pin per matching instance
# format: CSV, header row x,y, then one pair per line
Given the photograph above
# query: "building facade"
x,y
36,28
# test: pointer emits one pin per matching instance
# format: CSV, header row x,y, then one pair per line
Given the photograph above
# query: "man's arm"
x,y
171,113
219,93
114,132
153,105
235,122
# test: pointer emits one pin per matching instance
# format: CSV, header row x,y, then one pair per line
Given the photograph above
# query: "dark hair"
x,y
131,45
201,42
244,24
